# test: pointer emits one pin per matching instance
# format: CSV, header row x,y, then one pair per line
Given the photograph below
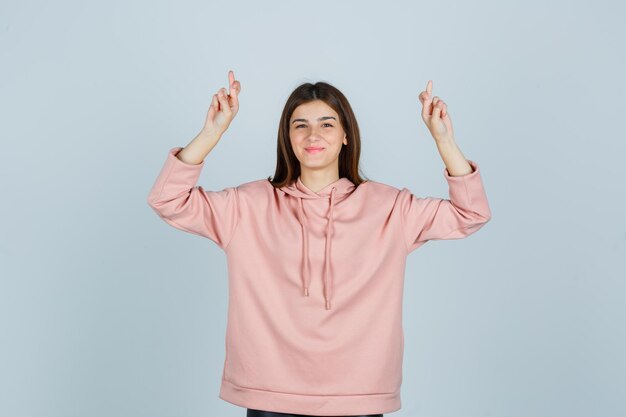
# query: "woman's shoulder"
x,y
254,186
378,187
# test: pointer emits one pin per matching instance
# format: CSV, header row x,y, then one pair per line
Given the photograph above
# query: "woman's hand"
x,y
223,107
435,115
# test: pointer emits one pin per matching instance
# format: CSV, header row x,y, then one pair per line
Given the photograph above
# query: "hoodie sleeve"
x,y
185,206
431,218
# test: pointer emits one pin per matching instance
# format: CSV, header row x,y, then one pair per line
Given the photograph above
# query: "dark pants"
x,y
260,413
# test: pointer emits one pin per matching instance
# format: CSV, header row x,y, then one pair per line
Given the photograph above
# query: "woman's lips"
x,y
314,150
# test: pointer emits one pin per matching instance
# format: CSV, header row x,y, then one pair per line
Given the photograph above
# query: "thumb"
x,y
447,121
436,116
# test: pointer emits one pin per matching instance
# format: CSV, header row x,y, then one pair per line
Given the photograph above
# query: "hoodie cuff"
x,y
172,156
467,191
475,169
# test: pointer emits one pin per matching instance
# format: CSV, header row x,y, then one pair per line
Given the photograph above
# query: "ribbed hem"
x,y
318,405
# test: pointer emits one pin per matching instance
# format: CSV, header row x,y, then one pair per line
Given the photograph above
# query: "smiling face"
x,y
316,136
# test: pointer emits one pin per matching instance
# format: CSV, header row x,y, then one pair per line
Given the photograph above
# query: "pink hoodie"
x,y
315,281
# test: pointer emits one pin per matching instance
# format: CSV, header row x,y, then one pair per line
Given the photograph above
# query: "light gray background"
x,y
105,310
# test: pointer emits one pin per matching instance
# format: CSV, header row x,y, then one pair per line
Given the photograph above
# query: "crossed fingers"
x,y
425,99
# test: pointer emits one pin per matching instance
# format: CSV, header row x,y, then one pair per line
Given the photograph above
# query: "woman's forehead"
x,y
315,109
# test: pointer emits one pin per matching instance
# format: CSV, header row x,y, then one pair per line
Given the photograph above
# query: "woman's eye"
x,y
305,125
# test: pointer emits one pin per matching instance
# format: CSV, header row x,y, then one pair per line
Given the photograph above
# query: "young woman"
x,y
316,254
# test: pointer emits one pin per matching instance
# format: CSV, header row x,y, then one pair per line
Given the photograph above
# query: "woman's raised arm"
x,y
175,195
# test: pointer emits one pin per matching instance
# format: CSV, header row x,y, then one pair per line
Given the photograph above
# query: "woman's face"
x,y
316,136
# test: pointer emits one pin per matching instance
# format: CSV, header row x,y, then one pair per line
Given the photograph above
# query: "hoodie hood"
x,y
333,192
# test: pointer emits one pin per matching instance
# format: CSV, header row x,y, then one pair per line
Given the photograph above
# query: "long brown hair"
x,y
287,164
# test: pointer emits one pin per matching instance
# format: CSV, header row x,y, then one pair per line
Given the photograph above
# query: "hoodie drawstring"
x,y
305,237
305,244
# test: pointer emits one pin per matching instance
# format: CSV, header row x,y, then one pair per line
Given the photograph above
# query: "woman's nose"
x,y
315,135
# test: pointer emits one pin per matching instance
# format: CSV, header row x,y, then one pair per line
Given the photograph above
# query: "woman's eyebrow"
x,y
319,119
